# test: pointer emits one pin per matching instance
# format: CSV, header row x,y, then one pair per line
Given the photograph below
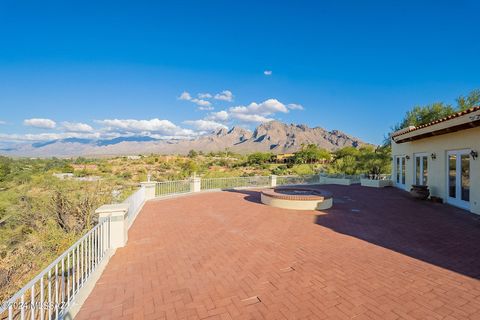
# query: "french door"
x,y
421,169
458,178
400,164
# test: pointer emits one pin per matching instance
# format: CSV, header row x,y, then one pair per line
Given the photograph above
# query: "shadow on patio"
x,y
435,233
439,234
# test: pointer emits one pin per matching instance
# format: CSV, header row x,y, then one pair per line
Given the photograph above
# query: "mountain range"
x,y
273,136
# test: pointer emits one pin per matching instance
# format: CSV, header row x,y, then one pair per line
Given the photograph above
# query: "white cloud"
x,y
162,127
47,136
294,106
205,125
251,118
76,127
254,112
2,122
201,102
264,108
225,95
206,108
185,96
260,112
40,123
221,116
267,72
204,95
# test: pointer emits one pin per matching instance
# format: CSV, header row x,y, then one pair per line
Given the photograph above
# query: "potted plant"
x,y
420,192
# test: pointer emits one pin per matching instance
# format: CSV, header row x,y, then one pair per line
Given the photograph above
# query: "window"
x,y
400,163
452,175
397,170
465,183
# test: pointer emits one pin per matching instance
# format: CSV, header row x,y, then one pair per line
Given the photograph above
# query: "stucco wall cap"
x,y
111,208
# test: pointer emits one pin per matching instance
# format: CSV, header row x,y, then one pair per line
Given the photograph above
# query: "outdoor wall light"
x,y
474,154
434,156
408,157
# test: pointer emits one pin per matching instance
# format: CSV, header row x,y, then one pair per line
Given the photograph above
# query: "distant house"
x,y
284,157
134,157
442,155
79,167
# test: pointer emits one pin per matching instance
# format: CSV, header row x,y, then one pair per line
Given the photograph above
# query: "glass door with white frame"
x,y
400,164
458,178
421,169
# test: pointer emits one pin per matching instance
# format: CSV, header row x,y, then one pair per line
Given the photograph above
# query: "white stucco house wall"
x,y
444,155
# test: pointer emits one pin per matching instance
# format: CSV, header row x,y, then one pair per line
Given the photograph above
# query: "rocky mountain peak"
x,y
273,136
238,131
270,128
221,132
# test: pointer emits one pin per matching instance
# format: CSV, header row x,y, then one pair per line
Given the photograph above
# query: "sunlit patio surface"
x,y
376,254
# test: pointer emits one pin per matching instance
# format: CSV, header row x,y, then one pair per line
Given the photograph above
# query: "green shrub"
x,y
303,169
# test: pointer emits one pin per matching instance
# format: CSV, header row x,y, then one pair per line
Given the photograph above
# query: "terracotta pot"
x,y
420,192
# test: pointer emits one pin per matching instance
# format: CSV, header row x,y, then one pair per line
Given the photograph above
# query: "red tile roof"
x,y
450,117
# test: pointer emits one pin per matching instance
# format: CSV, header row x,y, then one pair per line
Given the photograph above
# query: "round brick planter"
x,y
297,198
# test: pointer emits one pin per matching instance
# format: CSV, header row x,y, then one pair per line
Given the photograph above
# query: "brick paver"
x,y
377,254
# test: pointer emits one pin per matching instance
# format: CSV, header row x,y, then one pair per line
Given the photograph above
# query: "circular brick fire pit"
x,y
297,198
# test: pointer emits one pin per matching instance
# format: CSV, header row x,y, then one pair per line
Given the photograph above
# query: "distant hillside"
x,y
274,136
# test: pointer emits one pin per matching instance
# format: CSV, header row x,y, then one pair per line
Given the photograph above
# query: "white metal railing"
x,y
49,294
234,182
135,202
187,186
165,188
290,180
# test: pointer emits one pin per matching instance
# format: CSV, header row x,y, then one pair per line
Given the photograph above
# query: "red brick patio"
x,y
377,254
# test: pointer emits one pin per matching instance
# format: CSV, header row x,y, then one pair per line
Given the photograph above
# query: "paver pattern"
x,y
376,254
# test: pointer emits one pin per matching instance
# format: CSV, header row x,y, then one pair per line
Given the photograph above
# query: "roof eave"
x,y
463,122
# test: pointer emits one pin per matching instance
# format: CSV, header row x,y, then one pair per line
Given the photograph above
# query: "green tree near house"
x,y
369,160
424,114
470,101
345,161
420,115
375,161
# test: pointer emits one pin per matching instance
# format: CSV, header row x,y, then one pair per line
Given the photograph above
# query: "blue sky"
x,y
103,69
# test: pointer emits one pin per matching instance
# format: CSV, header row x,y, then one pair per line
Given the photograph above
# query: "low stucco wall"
x,y
375,183
340,181
437,169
